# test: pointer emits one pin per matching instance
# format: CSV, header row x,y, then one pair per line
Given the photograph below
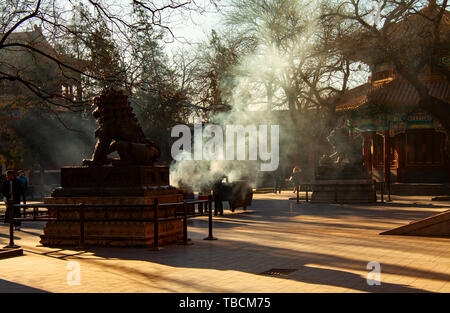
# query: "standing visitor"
x,y
11,188
24,186
278,180
218,194
296,177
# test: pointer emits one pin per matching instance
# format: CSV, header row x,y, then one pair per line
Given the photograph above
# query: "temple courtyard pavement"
x,y
277,245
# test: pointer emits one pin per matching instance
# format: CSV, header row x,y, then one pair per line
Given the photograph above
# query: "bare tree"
x,y
411,35
207,72
56,22
295,64
54,55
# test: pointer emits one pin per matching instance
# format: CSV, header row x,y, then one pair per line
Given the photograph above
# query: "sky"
x,y
190,25
191,28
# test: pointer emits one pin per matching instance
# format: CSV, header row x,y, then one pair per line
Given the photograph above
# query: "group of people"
x,y
296,178
14,187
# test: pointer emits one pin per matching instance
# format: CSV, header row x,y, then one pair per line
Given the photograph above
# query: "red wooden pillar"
x,y
401,157
366,151
446,154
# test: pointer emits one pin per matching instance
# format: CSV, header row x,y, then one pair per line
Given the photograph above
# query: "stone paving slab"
x,y
328,245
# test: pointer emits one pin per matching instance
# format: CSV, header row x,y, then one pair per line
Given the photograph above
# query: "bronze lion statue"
x,y
119,131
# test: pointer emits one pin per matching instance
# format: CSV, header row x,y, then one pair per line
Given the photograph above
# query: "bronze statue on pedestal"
x,y
119,130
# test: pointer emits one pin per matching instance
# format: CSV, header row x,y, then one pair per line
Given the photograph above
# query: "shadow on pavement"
x,y
10,287
218,258
243,256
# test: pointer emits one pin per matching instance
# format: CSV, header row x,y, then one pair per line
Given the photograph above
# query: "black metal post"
x,y
375,191
81,213
298,193
382,191
186,240
10,208
205,209
156,246
209,203
210,235
389,190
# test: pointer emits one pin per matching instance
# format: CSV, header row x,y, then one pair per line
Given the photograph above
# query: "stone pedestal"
x,y
343,184
120,186
343,191
106,181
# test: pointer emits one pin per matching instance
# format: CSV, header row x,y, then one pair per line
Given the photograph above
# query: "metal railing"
x,y
183,211
382,186
303,187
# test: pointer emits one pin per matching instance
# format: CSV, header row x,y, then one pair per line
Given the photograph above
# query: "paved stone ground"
x,y
328,246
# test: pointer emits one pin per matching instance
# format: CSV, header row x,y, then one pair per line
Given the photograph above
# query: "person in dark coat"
x,y
24,186
11,187
218,193
278,180
297,177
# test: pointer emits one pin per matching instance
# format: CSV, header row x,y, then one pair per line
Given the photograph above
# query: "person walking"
x,y
11,189
278,180
218,194
296,177
24,186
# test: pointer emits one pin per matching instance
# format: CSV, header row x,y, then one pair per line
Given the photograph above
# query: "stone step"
x,y
437,225
420,189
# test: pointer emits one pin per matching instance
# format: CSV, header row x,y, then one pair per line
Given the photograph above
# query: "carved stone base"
x,y
112,233
344,191
109,181
119,234
120,186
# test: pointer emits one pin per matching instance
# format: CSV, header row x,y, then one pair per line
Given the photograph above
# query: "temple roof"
x,y
397,93
35,69
36,39
391,90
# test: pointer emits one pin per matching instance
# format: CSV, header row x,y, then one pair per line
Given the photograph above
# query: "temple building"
x,y
401,142
23,107
399,139
41,74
